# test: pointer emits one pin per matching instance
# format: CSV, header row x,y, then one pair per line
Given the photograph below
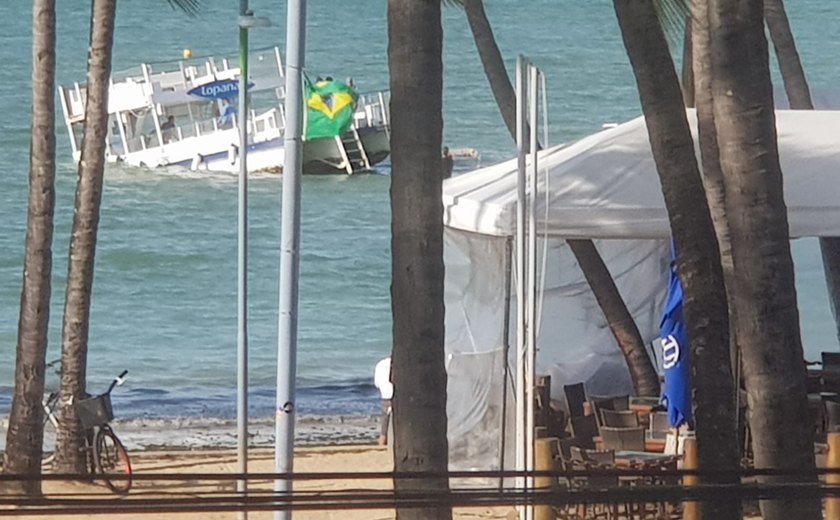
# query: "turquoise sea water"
x,y
164,302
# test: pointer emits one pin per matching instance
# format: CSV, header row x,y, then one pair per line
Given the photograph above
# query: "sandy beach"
x,y
313,459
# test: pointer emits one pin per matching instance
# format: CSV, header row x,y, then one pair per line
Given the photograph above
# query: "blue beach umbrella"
x,y
676,395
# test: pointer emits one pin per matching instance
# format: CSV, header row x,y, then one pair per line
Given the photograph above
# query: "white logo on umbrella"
x,y
670,351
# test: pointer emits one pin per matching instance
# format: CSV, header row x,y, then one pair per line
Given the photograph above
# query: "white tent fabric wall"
x,y
604,186
574,341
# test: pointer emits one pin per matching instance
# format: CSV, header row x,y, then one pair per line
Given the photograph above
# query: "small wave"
x,y
210,432
353,397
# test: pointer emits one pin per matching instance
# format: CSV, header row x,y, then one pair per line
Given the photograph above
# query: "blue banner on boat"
x,y
675,352
219,89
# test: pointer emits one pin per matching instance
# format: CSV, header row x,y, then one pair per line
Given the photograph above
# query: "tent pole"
x,y
531,338
505,356
521,64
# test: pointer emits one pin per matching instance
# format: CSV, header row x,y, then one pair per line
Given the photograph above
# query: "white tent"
x,y
603,187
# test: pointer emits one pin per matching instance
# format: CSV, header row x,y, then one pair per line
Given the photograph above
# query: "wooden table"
x,y
624,458
652,446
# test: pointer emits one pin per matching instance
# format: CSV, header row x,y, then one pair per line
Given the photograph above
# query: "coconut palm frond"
x,y
191,7
672,17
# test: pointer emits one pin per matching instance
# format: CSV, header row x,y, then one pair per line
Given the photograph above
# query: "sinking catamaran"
x,y
183,113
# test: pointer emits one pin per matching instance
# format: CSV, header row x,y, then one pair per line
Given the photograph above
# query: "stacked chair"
x,y
612,403
659,424
575,398
619,429
619,419
623,439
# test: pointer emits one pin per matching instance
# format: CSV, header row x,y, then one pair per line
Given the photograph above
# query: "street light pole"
x,y
289,250
242,264
247,21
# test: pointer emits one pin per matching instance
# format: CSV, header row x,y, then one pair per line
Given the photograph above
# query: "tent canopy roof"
x,y
606,185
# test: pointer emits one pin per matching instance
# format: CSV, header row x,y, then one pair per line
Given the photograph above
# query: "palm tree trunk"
x,y
698,262
24,437
793,76
69,456
415,39
619,319
688,66
710,158
799,98
767,319
644,377
493,63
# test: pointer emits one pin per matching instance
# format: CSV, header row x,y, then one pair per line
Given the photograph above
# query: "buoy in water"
x,y
187,53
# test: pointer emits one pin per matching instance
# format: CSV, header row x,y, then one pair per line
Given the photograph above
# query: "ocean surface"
x,y
164,296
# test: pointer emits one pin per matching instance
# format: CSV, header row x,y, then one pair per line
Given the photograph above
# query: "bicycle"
x,y
106,454
49,403
109,455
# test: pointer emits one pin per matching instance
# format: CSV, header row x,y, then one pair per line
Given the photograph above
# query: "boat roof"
x,y
175,82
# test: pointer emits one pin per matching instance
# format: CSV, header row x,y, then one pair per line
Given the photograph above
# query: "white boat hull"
x,y
324,156
321,156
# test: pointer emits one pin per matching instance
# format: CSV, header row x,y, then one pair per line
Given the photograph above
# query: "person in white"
x,y
382,381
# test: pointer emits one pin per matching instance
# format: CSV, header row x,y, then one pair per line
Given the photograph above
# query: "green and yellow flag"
x,y
330,106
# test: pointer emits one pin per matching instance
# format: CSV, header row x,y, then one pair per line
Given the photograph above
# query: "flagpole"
x,y
289,251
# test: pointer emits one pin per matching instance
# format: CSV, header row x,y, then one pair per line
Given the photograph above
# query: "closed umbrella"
x,y
676,395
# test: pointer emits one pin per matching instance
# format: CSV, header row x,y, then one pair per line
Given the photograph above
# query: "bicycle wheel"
x,y
47,458
112,460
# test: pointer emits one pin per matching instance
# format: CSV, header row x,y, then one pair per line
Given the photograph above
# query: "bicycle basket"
x,y
95,411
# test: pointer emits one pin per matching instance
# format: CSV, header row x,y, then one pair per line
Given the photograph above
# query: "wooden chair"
x,y
661,509
612,418
566,444
830,360
659,422
832,415
584,428
604,458
621,403
813,382
598,404
570,511
615,403
628,439
556,423
586,460
831,371
576,454
575,397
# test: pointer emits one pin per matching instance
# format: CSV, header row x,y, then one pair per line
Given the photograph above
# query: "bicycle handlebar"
x,y
53,363
120,379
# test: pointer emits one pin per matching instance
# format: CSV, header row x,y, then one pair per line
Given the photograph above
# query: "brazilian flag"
x,y
329,108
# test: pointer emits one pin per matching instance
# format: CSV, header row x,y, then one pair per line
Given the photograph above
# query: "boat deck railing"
x,y
373,110
133,88
261,127
187,73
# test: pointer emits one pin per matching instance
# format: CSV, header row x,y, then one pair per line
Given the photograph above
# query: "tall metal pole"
x,y
531,339
289,250
521,282
242,268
